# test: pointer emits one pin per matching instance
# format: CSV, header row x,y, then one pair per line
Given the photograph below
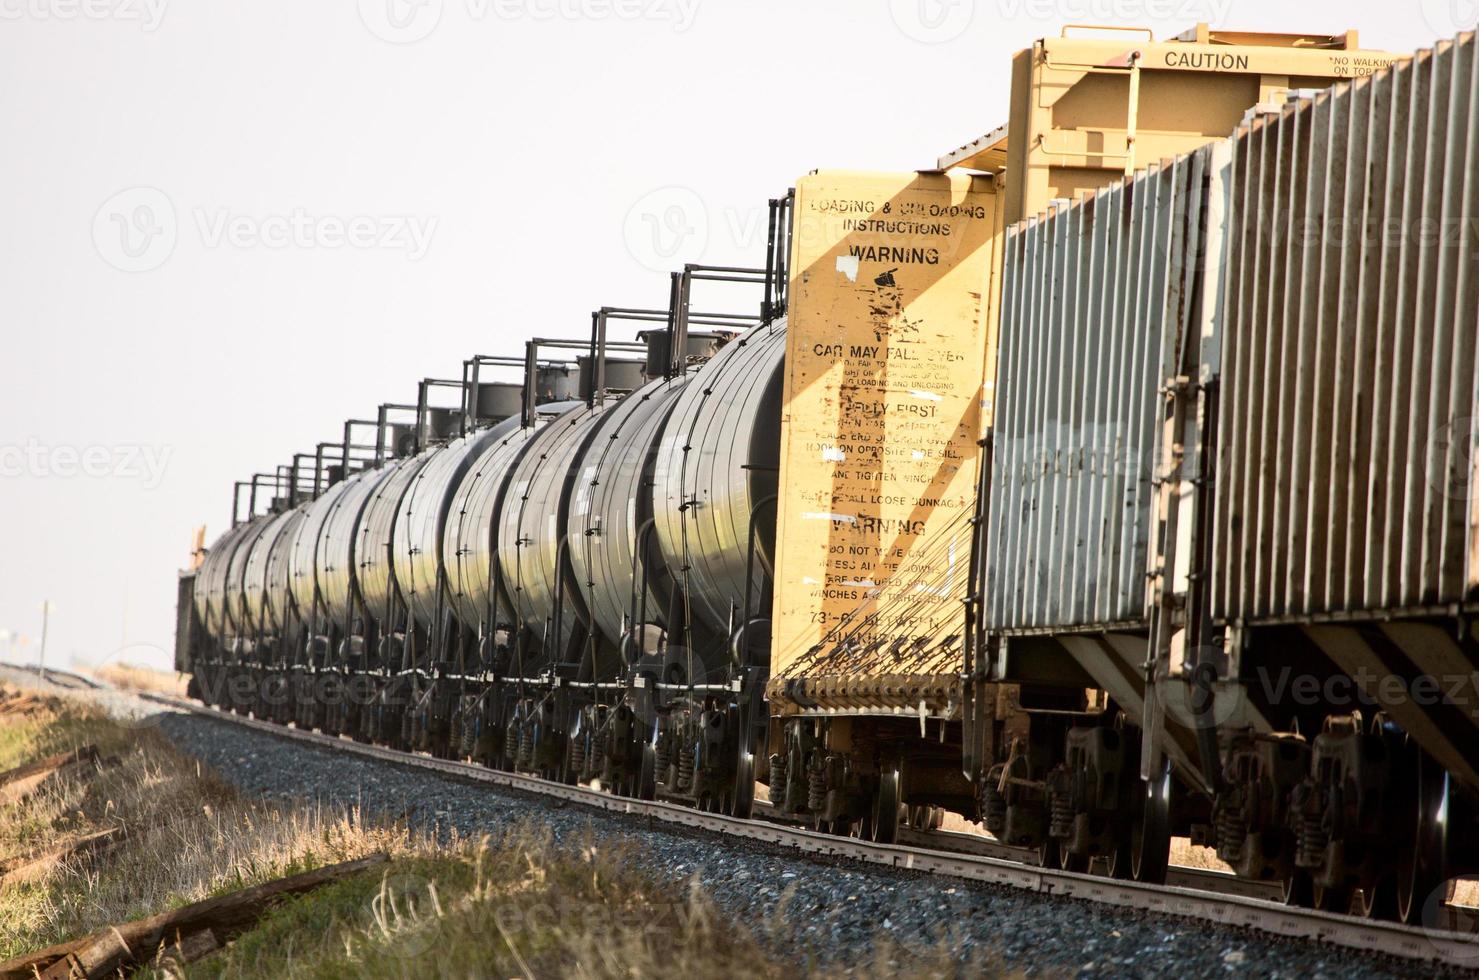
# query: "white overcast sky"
x,y
228,226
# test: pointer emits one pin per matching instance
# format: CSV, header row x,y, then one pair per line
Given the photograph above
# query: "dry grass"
x,y
524,904
130,677
186,835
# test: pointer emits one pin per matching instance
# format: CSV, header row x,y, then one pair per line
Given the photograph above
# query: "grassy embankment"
x,y
520,905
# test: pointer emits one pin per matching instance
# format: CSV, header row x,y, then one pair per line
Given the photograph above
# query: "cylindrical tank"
x,y
533,524
421,516
210,588
372,537
612,505
251,604
241,624
278,580
335,561
716,461
467,543
304,551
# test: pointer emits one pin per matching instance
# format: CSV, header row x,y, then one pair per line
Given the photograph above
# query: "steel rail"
x,y
1198,894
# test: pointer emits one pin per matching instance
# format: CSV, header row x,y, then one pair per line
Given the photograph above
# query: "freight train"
x,y
1141,505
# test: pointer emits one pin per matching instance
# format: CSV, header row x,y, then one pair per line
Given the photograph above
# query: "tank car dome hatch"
x,y
443,423
402,441
622,375
556,383
499,400
702,345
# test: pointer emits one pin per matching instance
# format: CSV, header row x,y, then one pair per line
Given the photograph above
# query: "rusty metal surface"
x,y
890,324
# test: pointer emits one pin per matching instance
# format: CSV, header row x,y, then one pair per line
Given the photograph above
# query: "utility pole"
x,y
45,616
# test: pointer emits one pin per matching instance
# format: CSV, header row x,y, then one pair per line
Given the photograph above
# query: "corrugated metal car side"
x,y
1352,311
1094,295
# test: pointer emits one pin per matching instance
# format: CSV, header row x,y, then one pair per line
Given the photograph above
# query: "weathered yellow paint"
x,y
1086,110
891,312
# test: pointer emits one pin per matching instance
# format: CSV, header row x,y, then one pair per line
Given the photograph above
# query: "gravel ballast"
x,y
833,909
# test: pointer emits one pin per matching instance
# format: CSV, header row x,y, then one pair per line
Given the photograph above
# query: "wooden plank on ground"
x,y
19,783
32,867
119,947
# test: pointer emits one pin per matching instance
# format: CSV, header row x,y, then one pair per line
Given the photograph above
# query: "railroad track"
x,y
1190,893
61,678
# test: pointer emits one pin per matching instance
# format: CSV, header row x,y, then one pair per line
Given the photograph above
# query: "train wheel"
x,y
1427,868
1049,853
1298,889
1377,900
1150,838
646,781
1334,899
922,817
1069,861
742,794
883,822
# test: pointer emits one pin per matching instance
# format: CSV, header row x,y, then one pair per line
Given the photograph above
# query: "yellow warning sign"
x,y
886,354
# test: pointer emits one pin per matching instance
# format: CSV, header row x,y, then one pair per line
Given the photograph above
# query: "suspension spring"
x,y
1307,814
1060,819
685,766
526,745
816,787
993,802
598,752
1230,815
577,755
778,779
664,754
